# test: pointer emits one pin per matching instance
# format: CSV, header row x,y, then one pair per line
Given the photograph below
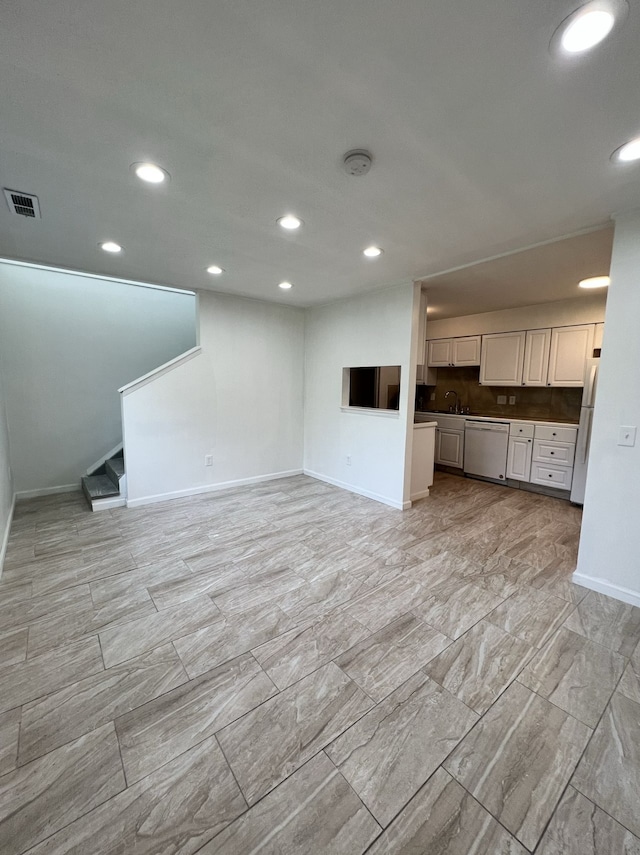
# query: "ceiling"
x,y
542,274
483,141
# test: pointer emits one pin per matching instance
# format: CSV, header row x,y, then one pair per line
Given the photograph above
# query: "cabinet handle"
x,y
553,434
550,475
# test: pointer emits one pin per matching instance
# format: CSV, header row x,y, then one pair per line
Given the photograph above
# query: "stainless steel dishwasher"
x,y
485,448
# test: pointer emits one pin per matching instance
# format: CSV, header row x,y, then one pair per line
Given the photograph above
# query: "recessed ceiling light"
x,y
150,173
588,26
215,270
628,152
111,246
286,286
372,251
595,282
289,222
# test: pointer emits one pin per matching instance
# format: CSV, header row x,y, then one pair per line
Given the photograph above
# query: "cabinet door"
x,y
440,352
536,358
570,348
502,359
519,458
466,351
450,447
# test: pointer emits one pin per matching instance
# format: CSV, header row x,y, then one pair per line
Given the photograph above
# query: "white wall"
x,y
67,343
587,309
6,486
371,330
240,400
609,557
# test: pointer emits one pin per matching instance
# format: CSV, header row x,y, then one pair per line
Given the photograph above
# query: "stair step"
x,y
115,469
99,487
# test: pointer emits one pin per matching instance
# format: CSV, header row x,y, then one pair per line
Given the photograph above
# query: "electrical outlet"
x,y
512,399
208,460
348,460
502,399
433,396
627,435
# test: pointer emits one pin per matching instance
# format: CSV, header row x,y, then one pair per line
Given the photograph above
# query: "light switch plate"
x,y
627,435
502,399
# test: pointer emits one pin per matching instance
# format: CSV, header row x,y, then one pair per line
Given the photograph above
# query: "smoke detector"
x,y
357,162
23,204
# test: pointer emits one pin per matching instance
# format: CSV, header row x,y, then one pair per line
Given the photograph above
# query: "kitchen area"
x,y
513,407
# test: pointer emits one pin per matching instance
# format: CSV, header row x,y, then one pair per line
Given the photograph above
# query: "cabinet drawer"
x,y
552,476
522,429
554,452
556,434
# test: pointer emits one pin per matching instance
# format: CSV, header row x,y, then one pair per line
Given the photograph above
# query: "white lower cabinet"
x,y
552,476
450,447
519,458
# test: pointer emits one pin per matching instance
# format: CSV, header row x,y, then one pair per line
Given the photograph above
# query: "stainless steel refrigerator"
x,y
584,431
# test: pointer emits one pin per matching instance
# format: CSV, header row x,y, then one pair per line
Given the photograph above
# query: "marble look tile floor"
x,y
290,668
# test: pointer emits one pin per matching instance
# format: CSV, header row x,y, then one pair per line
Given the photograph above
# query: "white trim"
x,y
86,275
604,587
48,491
162,369
372,411
107,503
421,495
107,456
211,488
5,536
385,500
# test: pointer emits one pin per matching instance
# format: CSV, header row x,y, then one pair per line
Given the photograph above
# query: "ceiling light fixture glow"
x,y
595,282
215,270
628,152
111,246
587,27
587,30
286,286
150,173
289,222
372,251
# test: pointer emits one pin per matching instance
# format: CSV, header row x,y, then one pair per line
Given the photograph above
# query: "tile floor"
x,y
291,668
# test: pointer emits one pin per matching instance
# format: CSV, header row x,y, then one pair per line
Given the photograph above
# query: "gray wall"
x,y
67,343
6,490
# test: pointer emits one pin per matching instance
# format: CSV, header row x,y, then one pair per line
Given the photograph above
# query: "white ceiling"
x,y
483,142
542,274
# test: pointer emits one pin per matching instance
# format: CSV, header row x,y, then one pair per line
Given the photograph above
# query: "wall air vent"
x,y
22,203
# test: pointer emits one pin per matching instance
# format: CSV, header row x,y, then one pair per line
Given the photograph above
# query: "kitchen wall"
x,y
375,329
608,560
239,401
6,486
589,308
531,402
67,342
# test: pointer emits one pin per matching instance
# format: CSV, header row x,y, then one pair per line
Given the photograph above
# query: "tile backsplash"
x,y
532,402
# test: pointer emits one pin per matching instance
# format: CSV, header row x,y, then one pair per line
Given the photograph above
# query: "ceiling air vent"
x,y
22,203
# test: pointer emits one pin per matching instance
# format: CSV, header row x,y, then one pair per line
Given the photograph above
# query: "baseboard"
x,y
385,500
5,536
108,503
211,488
48,491
422,495
604,587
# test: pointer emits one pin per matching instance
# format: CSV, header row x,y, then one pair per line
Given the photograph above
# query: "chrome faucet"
x,y
456,408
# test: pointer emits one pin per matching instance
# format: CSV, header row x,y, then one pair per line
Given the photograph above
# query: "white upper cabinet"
x,y
570,347
536,358
502,359
450,352
440,352
466,351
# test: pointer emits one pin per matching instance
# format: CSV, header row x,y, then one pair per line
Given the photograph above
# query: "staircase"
x,y
104,485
